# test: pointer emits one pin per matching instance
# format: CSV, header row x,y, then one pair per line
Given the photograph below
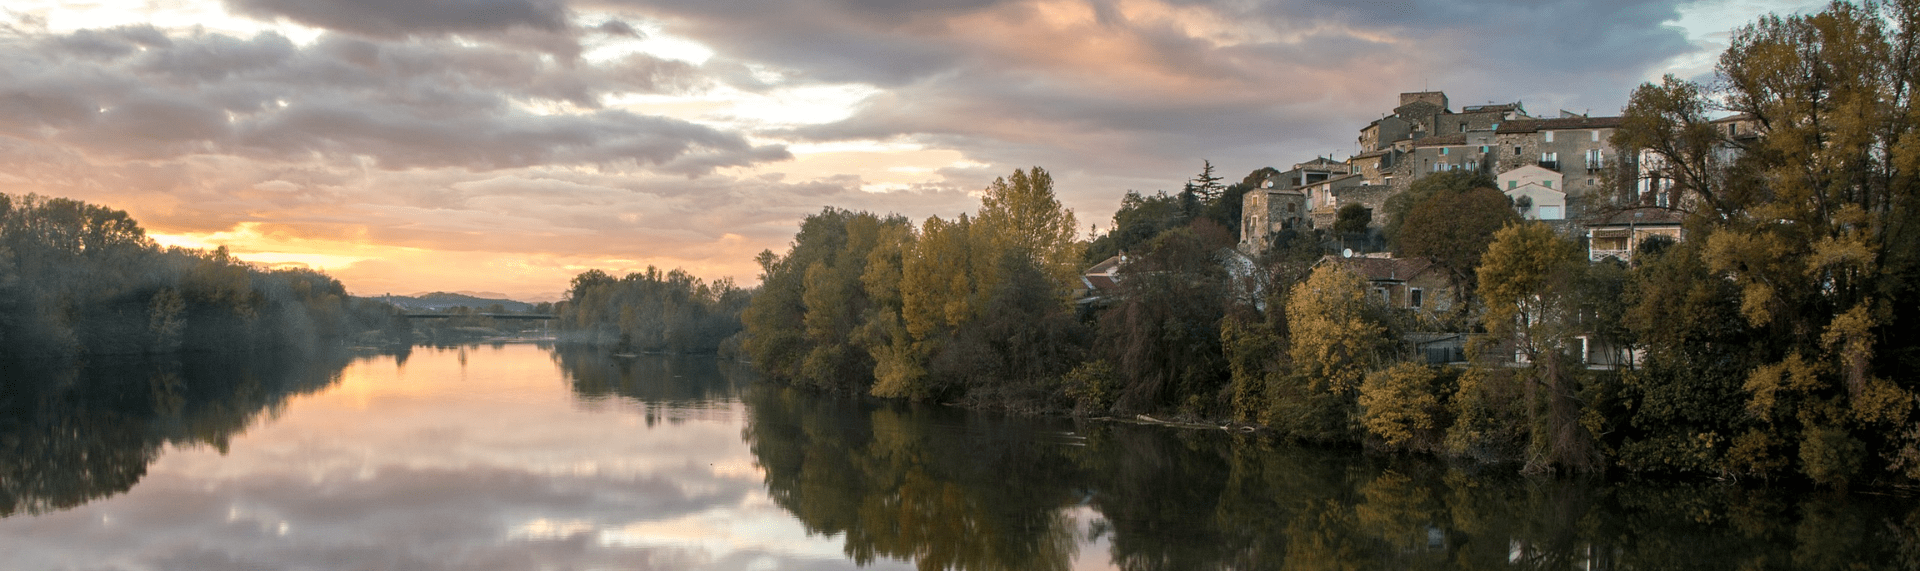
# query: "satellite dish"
x,y
1346,253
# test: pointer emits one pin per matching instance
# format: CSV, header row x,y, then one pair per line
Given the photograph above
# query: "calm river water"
x,y
527,457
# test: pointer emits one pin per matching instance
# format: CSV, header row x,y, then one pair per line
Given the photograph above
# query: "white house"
x,y
1537,193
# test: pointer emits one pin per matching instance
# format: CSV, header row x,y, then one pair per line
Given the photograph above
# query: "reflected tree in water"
x,y
649,379
952,490
70,435
946,491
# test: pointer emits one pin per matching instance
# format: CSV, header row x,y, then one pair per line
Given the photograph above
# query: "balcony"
x,y
1598,254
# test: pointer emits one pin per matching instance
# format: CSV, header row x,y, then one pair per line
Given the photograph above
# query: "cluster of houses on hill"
x,y
1561,170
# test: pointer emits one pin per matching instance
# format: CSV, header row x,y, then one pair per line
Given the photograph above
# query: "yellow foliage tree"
x,y
1334,337
1020,213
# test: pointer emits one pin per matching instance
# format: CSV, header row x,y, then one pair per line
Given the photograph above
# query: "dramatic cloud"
x,y
694,133
383,18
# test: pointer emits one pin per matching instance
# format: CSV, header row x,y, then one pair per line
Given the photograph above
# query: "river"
x,y
522,456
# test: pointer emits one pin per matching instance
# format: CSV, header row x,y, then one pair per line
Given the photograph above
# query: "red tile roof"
x,y
1531,125
1385,269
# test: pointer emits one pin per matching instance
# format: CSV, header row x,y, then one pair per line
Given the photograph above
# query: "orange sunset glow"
x,y
506,146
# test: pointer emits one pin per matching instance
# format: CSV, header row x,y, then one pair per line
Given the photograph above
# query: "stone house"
x,y
1470,151
1375,167
1327,196
1268,211
1415,284
1302,174
1577,147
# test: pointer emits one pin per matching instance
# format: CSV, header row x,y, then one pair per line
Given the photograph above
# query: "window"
x,y
1550,213
1415,297
1596,135
1384,296
1516,151
1443,151
1291,207
1594,159
1548,135
1512,184
1550,161
1547,183
1484,148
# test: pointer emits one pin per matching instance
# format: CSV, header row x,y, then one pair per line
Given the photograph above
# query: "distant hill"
x,y
439,300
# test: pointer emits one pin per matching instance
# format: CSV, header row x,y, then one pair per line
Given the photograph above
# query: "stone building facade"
x,y
1268,211
1577,147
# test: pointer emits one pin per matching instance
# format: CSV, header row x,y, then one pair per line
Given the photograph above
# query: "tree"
x,y
1528,279
1352,218
1454,226
1020,214
1163,333
1334,339
1812,225
1139,219
1206,185
1451,183
1399,403
1668,124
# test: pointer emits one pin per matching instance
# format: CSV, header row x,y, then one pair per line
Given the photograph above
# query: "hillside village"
x,y
1563,171
1670,290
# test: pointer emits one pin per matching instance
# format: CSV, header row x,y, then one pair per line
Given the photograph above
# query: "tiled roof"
x,y
1531,125
1385,269
1497,107
1644,215
1452,139
1105,266
1331,180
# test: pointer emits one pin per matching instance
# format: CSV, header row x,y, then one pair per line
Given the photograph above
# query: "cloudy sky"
x,y
507,145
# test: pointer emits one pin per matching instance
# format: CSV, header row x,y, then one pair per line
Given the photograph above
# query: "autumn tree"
x,y
1020,214
1335,337
1529,279
1810,221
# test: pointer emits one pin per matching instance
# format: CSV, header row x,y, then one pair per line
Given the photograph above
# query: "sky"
x,y
505,146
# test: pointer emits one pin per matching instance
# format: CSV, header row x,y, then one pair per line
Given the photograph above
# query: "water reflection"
x,y
73,434
660,380
943,489
950,490
523,456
